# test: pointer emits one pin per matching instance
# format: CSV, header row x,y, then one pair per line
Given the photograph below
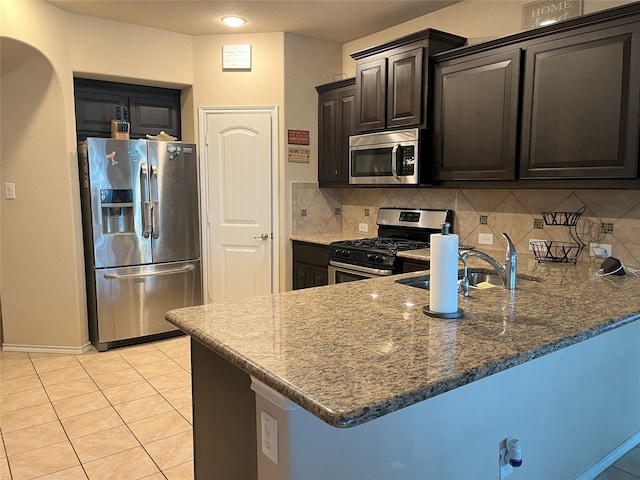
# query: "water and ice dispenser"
x,y
117,211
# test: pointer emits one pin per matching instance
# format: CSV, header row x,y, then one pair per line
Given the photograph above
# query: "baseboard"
x,y
12,347
611,458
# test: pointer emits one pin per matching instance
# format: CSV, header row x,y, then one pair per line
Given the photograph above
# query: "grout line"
x,y
59,420
118,357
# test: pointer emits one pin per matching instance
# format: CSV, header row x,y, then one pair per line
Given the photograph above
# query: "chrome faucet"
x,y
507,272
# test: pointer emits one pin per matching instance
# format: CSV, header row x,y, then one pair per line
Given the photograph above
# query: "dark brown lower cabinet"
x,y
407,265
310,265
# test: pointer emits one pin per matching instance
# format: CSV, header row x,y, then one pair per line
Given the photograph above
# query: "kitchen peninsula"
x,y
364,385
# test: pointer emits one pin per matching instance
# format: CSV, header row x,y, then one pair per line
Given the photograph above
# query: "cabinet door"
x,y
301,275
320,276
346,128
94,112
336,120
151,109
307,276
476,117
327,131
580,106
404,93
413,265
310,265
371,90
152,115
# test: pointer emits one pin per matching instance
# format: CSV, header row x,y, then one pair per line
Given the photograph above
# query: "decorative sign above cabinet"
x,y
545,12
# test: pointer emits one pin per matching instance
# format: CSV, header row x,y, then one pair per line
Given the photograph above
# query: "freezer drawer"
x,y
132,301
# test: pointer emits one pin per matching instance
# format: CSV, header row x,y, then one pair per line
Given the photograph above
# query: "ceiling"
x,y
329,20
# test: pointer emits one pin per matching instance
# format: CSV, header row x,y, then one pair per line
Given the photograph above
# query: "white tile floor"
x,y
627,468
124,414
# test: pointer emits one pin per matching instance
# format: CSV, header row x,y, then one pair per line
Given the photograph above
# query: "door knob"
x,y
264,236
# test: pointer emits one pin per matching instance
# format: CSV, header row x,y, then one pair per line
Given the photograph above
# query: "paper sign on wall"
x,y
298,137
236,57
299,154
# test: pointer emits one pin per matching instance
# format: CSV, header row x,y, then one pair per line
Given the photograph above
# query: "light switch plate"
x,y
10,191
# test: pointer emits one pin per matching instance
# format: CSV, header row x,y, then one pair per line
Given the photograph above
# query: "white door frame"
x,y
205,194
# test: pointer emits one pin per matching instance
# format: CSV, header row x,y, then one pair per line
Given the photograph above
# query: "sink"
x,y
479,280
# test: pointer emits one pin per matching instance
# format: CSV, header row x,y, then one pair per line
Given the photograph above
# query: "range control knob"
x,y
377,258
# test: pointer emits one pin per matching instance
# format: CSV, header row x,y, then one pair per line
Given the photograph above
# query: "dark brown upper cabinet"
x,y
336,122
151,109
557,106
580,105
476,116
393,81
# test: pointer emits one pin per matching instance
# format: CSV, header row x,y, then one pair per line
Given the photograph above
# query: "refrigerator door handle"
x,y
146,206
146,219
155,230
116,276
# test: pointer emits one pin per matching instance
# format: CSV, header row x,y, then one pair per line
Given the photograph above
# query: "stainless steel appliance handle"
x,y
155,227
115,276
360,268
394,160
146,205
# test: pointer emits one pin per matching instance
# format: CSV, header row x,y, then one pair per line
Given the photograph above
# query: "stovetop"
x,y
398,230
386,245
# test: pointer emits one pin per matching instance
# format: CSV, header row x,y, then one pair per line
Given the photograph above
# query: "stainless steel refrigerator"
x,y
142,236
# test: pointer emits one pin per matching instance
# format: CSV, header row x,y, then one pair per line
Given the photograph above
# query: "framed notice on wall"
x,y
236,57
545,12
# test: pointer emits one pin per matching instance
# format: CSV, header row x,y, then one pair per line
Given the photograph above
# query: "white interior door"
x,y
239,190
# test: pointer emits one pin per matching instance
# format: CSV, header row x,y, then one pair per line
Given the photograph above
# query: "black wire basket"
x,y
553,251
567,219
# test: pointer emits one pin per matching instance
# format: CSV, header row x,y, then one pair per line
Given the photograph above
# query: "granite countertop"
x,y
352,352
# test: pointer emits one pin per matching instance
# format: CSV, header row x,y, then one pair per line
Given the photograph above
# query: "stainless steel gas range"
x,y
399,229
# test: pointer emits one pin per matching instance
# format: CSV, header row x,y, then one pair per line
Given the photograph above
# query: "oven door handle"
x,y
360,268
394,160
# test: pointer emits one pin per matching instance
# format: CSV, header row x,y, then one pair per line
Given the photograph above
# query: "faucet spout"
x,y
507,272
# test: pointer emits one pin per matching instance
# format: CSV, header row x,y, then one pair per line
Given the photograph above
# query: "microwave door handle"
x,y
394,160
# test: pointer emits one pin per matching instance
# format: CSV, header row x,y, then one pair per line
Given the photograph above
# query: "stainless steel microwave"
x,y
389,158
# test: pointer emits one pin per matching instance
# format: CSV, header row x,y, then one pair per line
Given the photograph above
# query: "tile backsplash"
x,y
611,216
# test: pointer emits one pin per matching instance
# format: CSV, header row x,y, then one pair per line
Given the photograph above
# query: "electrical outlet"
x,y
485,238
599,250
363,227
269,436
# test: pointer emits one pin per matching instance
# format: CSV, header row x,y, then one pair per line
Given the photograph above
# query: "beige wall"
x,y
42,278
307,63
476,20
42,272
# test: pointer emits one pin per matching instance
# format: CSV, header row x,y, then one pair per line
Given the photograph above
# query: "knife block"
x,y
120,130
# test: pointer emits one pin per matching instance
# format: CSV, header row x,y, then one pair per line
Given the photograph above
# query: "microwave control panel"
x,y
407,166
